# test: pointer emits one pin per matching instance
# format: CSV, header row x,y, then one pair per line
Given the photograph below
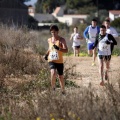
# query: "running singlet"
x,y
112,31
76,40
55,56
104,49
92,34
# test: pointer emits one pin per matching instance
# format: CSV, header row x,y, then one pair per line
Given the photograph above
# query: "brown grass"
x,y
25,84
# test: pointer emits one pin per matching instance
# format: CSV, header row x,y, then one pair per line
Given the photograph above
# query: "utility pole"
x,y
98,11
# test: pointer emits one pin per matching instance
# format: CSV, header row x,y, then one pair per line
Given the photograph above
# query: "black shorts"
x,y
105,57
58,66
76,47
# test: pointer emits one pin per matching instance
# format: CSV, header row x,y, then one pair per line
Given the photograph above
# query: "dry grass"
x,y
25,84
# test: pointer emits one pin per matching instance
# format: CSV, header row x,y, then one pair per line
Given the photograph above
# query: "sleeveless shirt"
x,y
59,53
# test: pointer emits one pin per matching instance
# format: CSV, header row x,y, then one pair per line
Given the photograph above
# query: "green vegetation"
x,y
95,8
116,52
116,23
82,54
81,6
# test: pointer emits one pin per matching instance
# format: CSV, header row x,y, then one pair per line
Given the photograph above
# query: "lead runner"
x,y
54,55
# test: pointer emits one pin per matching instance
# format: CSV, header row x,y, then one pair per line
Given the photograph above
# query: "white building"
x,y
69,19
113,14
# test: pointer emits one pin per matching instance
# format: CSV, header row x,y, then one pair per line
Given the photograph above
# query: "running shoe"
x,y
93,64
63,92
53,89
102,83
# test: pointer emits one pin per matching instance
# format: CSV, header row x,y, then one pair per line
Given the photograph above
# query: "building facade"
x,y
13,12
113,14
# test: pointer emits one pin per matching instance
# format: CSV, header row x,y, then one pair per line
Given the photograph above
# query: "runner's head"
x,y
102,30
107,23
75,29
94,22
54,27
54,30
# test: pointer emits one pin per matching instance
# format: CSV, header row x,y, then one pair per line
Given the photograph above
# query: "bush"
x,y
25,84
116,23
116,52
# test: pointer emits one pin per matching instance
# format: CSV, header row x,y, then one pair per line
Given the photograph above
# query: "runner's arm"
x,y
96,42
98,30
85,33
71,37
64,47
79,37
112,39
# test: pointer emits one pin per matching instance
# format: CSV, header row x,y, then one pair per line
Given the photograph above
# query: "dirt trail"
x,y
89,74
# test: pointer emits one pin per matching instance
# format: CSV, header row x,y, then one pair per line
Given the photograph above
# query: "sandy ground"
x,y
85,73
89,74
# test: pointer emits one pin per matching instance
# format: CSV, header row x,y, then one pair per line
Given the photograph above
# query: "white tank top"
x,y
92,34
76,41
112,31
104,49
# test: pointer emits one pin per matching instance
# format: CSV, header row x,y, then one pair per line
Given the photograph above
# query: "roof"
x,y
80,16
114,11
14,4
57,10
43,17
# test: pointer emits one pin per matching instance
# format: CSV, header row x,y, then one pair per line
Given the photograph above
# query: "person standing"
x,y
110,30
104,42
75,36
90,34
54,55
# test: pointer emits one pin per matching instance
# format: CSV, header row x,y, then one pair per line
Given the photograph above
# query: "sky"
x,y
31,2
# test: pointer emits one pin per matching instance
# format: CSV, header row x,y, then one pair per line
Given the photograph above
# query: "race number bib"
x,y
53,55
103,46
92,36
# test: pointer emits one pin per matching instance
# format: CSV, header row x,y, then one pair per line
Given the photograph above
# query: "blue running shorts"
x,y
90,46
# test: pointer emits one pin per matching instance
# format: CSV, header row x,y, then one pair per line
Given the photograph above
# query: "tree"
x,y
38,6
103,4
47,6
76,4
116,23
24,1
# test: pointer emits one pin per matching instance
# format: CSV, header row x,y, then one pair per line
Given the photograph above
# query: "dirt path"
x,y
89,74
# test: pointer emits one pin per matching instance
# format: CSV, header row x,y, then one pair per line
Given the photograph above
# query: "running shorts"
x,y
90,46
58,66
105,57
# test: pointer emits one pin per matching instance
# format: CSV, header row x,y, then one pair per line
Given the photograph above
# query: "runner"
x,y
104,42
54,55
75,36
110,30
90,34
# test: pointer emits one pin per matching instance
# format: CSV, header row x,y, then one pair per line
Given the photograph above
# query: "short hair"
x,y
54,27
102,26
76,27
94,20
107,20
